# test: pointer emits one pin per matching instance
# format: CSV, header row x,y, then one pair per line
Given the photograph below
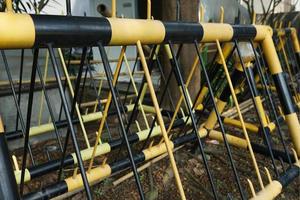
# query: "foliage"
x,y
268,7
27,6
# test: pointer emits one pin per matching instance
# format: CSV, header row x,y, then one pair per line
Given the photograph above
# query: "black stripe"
x,y
289,176
42,169
184,32
133,138
288,30
48,192
249,71
278,154
8,185
297,54
236,77
123,164
283,93
65,31
243,32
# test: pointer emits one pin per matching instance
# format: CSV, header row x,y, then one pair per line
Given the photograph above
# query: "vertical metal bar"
x,y
58,136
212,96
72,93
28,118
68,7
109,76
97,97
70,124
107,106
155,118
164,80
269,95
240,115
82,87
65,85
22,122
160,120
251,85
20,86
133,113
176,70
292,54
129,84
8,185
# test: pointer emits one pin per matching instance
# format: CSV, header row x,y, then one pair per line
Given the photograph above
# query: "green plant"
x,y
25,6
98,192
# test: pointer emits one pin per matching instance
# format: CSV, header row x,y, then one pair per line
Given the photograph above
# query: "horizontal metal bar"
x,y
27,31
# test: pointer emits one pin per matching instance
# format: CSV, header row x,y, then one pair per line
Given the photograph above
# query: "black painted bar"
x,y
284,94
8,185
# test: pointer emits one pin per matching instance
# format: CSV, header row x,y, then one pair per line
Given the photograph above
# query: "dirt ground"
x,y
190,164
192,173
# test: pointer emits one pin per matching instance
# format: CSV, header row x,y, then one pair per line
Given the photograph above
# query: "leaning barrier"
x,y
289,51
54,32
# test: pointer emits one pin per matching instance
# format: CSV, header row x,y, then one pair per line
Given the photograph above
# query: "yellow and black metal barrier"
x,y
34,32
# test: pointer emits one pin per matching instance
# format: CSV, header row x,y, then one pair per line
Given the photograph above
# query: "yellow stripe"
x,y
129,31
212,119
94,175
17,31
201,96
294,130
86,154
156,150
269,192
213,31
232,140
237,123
271,55
1,126
262,31
295,40
227,48
261,111
27,176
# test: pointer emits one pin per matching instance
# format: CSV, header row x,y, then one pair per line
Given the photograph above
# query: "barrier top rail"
x,y
28,31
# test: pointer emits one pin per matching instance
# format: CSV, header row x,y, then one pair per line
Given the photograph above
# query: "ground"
x,y
192,172
189,162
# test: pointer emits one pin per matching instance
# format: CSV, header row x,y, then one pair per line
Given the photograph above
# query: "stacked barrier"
x,y
250,72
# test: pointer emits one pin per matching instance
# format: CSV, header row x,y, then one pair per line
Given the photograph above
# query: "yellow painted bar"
x,y
272,88
232,140
17,31
96,174
212,118
129,31
9,6
156,150
1,126
295,40
27,176
86,154
201,96
271,55
237,123
271,191
261,110
217,31
272,59
148,109
262,31
227,48
294,127
44,128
